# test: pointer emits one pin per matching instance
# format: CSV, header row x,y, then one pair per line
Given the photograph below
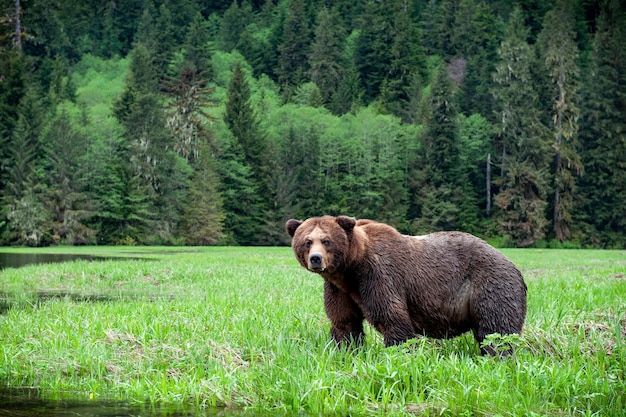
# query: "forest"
x,y
187,122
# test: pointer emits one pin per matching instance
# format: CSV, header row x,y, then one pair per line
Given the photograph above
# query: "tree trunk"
x,y
18,25
488,185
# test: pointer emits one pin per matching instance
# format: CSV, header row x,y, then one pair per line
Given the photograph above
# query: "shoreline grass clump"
x,y
245,328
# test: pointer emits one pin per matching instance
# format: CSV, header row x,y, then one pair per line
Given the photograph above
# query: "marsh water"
x,y
27,402
16,260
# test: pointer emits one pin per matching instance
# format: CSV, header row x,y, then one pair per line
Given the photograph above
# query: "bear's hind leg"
x,y
345,316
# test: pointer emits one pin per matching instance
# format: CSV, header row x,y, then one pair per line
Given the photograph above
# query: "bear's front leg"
x,y
398,334
345,316
390,316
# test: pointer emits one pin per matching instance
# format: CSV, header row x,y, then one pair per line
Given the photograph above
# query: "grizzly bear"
x,y
439,285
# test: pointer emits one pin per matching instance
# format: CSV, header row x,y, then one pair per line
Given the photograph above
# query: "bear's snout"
x,y
316,262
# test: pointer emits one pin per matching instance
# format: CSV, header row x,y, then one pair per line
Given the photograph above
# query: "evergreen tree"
x,y
325,58
198,47
242,122
560,53
522,140
438,25
245,180
233,25
202,222
474,40
373,54
294,48
439,193
603,133
65,148
140,111
348,96
23,159
407,63
187,112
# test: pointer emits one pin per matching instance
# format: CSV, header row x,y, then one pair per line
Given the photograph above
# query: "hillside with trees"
x,y
183,122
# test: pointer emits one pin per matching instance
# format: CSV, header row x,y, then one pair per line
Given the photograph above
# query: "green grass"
x,y
246,328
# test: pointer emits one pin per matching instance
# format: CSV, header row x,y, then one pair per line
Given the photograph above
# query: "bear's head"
x,y
322,244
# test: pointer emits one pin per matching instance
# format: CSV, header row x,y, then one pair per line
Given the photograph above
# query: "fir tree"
x,y
202,222
198,47
294,48
325,58
407,63
560,53
242,122
522,140
603,134
245,165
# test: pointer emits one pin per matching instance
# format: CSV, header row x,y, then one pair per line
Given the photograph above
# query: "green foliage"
x,y
557,40
603,133
523,140
28,219
326,69
343,107
202,222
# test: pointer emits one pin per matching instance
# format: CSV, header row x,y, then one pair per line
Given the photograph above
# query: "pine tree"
x,y
244,166
198,47
373,54
407,63
187,112
325,57
602,132
437,27
243,123
349,95
233,25
474,40
522,140
202,222
140,111
294,48
560,52
440,195
65,147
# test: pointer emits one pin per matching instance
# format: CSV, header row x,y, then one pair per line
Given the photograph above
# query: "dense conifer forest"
x,y
212,122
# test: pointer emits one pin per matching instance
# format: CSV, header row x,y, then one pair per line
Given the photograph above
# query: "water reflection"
x,y
16,260
28,403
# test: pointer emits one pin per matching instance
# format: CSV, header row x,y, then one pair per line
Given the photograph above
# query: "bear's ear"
x,y
291,226
346,223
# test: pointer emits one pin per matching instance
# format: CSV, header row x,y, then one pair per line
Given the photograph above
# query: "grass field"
x,y
246,328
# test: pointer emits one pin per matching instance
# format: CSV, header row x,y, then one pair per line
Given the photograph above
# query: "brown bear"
x,y
438,285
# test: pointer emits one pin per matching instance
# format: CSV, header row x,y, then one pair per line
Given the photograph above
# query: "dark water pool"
x,y
28,403
16,260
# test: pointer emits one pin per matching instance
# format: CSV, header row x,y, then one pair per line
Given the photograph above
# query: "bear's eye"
x,y
326,243
308,244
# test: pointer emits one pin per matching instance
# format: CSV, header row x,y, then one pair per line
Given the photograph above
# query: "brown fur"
x,y
439,285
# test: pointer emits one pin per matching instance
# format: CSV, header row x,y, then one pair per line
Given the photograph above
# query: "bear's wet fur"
x,y
439,285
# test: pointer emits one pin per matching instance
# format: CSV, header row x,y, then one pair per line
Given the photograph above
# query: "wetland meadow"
x,y
242,331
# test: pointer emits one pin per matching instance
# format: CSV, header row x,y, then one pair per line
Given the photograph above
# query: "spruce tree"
x,y
66,170
407,64
294,48
202,222
244,166
325,57
440,193
198,47
523,141
602,132
474,39
373,53
560,52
